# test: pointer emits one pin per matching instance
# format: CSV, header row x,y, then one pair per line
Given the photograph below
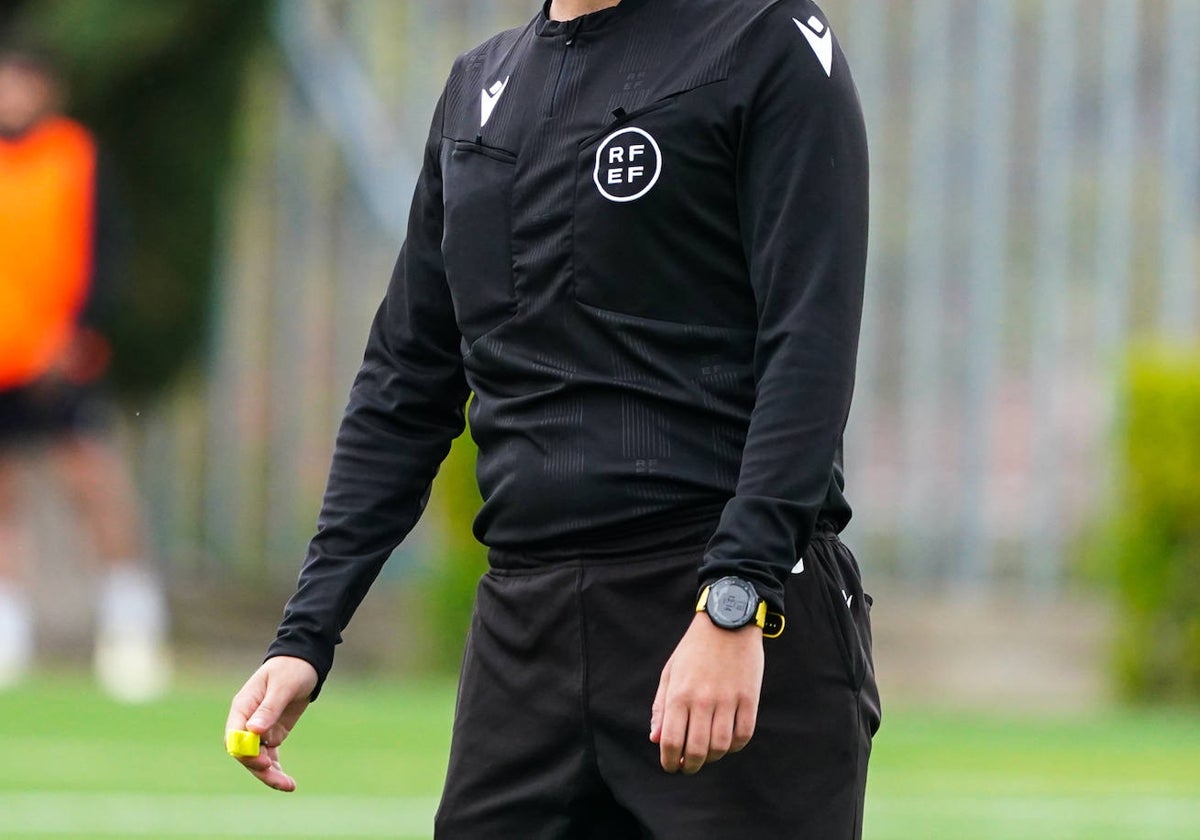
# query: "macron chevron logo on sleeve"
x,y
820,39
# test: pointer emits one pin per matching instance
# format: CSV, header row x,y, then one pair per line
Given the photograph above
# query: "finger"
x,y
674,731
266,768
744,724
243,705
269,710
699,731
276,735
656,708
720,740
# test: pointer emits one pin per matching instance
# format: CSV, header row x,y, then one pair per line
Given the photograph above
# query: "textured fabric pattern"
x,y
639,240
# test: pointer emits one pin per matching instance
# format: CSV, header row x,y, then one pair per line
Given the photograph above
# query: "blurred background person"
x,y
58,262
1028,468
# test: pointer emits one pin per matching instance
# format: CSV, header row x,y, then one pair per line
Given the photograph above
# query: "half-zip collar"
x,y
591,22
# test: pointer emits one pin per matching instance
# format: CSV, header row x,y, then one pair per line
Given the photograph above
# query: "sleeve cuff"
x,y
770,590
321,665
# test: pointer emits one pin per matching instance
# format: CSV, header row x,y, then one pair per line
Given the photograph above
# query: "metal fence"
x,y
1036,205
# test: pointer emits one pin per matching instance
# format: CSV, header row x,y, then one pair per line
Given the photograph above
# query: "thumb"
x,y
269,710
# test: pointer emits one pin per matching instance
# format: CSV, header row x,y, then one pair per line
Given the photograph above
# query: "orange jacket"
x,y
47,209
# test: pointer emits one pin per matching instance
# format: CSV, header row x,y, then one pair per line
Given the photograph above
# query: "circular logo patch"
x,y
628,164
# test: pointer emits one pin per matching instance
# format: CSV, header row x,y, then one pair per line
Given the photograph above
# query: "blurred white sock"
x,y
132,661
16,635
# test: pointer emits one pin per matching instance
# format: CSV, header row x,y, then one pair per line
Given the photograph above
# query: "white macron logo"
x,y
819,39
488,100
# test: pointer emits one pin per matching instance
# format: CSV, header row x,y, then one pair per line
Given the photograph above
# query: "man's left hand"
x,y
707,700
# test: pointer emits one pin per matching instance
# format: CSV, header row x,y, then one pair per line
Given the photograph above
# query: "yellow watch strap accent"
x,y
773,624
703,602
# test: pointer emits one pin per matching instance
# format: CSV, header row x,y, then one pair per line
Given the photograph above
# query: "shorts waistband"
x,y
825,530
672,539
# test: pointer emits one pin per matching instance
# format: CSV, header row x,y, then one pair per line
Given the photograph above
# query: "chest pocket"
x,y
656,230
477,235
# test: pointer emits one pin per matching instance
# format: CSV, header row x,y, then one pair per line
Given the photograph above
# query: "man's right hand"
x,y
269,704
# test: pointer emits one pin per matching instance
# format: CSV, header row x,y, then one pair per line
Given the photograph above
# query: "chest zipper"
x,y
562,74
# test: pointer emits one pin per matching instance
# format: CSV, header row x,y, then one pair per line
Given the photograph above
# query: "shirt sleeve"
x,y
405,409
802,205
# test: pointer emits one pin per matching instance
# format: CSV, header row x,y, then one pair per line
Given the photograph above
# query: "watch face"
x,y
732,602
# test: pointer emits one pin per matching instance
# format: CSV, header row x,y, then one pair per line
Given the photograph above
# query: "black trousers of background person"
x,y
551,727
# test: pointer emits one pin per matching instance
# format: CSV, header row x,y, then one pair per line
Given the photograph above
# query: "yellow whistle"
x,y
241,744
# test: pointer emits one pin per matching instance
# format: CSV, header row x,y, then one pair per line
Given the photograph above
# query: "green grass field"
x,y
370,756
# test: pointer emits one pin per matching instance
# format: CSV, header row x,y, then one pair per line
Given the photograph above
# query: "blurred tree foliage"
x,y
159,83
1157,535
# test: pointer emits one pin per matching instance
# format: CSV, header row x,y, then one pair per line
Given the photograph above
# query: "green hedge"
x,y
455,572
1157,534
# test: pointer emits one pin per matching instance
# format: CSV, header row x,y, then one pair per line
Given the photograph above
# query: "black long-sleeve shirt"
x,y
639,239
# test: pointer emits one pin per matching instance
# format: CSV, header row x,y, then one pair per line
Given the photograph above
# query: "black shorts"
x,y
553,715
33,413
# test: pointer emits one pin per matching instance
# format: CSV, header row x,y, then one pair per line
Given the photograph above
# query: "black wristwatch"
x,y
733,603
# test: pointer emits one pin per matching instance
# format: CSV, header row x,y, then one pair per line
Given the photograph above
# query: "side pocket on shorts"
x,y
468,652
849,610
869,694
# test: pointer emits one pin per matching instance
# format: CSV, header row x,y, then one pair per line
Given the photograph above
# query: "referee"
x,y
639,239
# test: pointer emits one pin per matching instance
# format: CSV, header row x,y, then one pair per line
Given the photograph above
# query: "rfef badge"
x,y
628,164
